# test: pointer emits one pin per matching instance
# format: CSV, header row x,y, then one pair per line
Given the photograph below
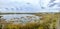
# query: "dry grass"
x,y
47,20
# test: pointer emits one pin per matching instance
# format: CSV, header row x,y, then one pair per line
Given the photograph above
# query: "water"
x,y
8,16
21,18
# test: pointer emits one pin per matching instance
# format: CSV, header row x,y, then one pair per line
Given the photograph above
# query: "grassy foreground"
x,y
48,21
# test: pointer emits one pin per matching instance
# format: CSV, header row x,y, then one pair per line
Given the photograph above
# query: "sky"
x,y
29,6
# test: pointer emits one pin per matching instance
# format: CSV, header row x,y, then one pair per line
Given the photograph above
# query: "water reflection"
x,y
21,18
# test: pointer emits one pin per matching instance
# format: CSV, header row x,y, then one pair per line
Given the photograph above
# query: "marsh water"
x,y
8,16
21,18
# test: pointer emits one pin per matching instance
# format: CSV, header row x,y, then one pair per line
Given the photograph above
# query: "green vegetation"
x,y
0,26
48,21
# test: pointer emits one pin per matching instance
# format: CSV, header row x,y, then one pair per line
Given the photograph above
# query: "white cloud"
x,y
34,5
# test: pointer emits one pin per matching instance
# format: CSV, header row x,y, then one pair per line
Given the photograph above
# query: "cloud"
x,y
24,6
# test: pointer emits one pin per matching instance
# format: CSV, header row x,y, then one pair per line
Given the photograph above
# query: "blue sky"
x,y
27,6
